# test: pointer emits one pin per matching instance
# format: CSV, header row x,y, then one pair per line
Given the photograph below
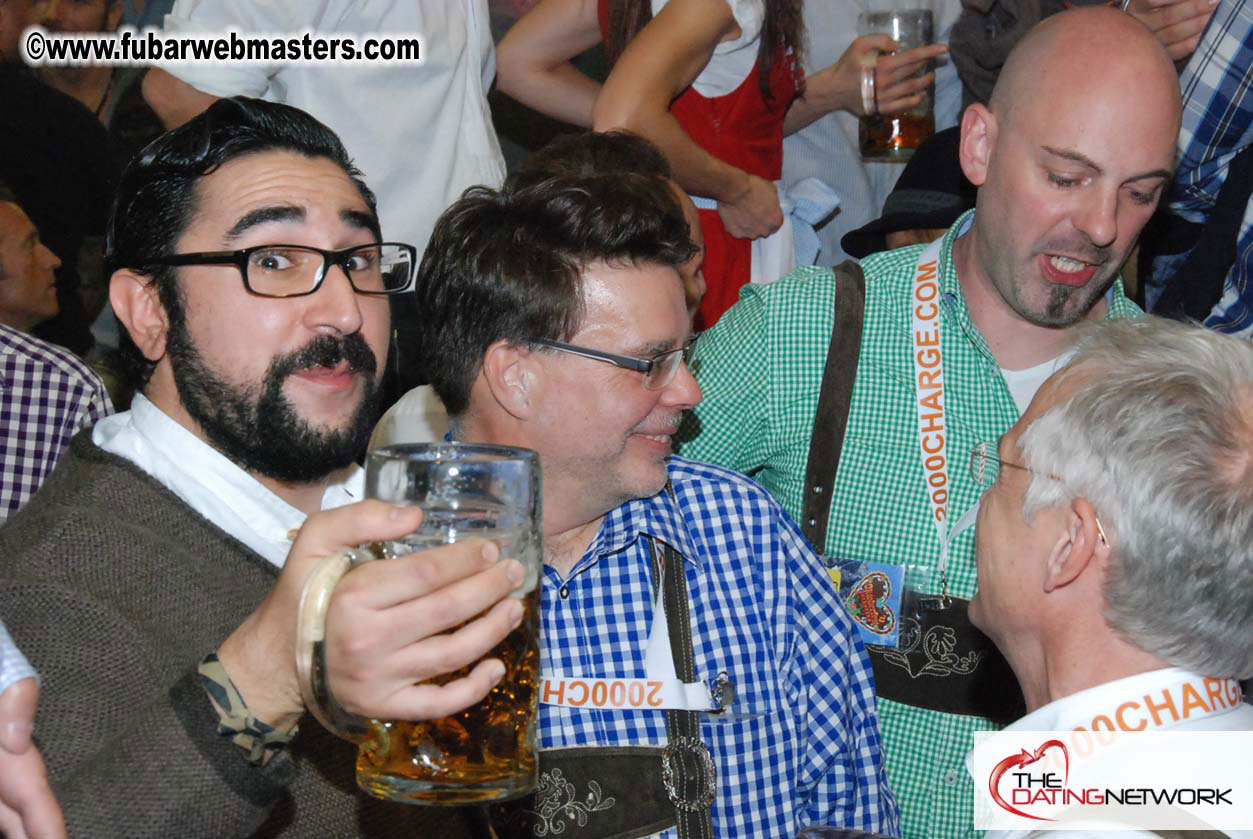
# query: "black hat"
x,y
931,193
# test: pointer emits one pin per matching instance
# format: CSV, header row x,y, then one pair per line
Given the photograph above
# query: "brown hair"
x,y
508,264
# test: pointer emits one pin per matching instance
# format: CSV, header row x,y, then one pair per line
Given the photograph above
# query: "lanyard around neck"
x,y
927,349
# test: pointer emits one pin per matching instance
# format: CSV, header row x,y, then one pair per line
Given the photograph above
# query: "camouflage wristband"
x,y
258,740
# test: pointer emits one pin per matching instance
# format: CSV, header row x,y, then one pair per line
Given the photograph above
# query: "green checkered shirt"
x,y
761,368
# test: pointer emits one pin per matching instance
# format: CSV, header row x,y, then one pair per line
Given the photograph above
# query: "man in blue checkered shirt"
x,y
554,320
1217,87
47,394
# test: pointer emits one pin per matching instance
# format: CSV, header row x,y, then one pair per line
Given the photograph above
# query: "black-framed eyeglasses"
x,y
297,270
659,370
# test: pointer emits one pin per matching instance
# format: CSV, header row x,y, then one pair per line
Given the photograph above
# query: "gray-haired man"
x,y
1115,538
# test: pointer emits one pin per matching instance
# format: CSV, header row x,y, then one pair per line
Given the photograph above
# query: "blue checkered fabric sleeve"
x,y
801,745
1217,88
46,396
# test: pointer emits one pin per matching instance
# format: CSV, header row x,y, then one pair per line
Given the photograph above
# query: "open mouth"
x,y
1066,270
1065,263
341,375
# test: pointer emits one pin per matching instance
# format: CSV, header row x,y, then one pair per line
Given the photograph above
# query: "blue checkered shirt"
x,y
804,747
13,665
1217,125
46,395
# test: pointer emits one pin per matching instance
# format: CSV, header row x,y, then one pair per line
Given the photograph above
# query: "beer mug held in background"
x,y
486,752
894,136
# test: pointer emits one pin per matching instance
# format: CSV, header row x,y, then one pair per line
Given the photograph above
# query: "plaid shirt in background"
x,y
1217,125
46,395
13,665
801,745
761,369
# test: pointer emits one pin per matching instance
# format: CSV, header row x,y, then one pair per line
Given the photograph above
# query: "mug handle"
x,y
311,646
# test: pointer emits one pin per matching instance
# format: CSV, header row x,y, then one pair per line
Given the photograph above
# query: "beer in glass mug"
x,y
486,752
893,138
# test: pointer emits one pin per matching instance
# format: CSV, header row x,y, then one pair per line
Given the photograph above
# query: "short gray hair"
x,y
1158,436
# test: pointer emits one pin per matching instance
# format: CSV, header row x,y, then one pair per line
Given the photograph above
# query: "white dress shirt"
x,y
209,483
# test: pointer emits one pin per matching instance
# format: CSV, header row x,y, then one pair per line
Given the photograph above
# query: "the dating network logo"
x,y
1028,787
1040,780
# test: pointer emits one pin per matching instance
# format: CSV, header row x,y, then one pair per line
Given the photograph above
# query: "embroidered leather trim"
x,y
931,654
946,664
556,802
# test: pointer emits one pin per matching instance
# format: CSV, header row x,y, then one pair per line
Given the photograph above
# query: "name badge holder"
x,y
872,594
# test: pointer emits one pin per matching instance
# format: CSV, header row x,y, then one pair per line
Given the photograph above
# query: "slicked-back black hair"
x,y
156,197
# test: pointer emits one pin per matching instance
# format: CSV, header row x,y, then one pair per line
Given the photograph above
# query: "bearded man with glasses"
x,y
679,696
154,581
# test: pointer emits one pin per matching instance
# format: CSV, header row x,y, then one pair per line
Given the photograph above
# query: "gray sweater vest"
x,y
115,590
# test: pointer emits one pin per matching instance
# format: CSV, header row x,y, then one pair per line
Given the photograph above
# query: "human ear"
x,y
138,308
512,377
1081,542
978,135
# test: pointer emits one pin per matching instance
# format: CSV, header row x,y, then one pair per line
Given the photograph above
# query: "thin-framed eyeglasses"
x,y
659,370
297,270
985,468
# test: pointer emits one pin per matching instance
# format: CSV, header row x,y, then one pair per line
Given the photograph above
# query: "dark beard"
x,y
261,432
1060,311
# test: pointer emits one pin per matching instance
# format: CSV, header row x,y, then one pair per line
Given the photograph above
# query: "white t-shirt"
x,y
420,133
1024,383
733,60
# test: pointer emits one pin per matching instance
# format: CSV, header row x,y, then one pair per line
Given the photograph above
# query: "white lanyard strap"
x,y
661,690
929,400
1184,699
625,694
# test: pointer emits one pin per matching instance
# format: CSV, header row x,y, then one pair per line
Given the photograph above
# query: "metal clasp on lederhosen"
x,y
688,770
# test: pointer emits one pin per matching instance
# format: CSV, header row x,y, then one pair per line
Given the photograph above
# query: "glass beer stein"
x,y
486,752
894,137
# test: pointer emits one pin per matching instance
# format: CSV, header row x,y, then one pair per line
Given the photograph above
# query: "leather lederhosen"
x,y
625,792
943,662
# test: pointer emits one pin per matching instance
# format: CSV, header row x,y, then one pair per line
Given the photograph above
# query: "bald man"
x,y
1070,157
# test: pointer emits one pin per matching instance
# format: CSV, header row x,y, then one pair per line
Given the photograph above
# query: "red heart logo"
x,y
1024,758
867,603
